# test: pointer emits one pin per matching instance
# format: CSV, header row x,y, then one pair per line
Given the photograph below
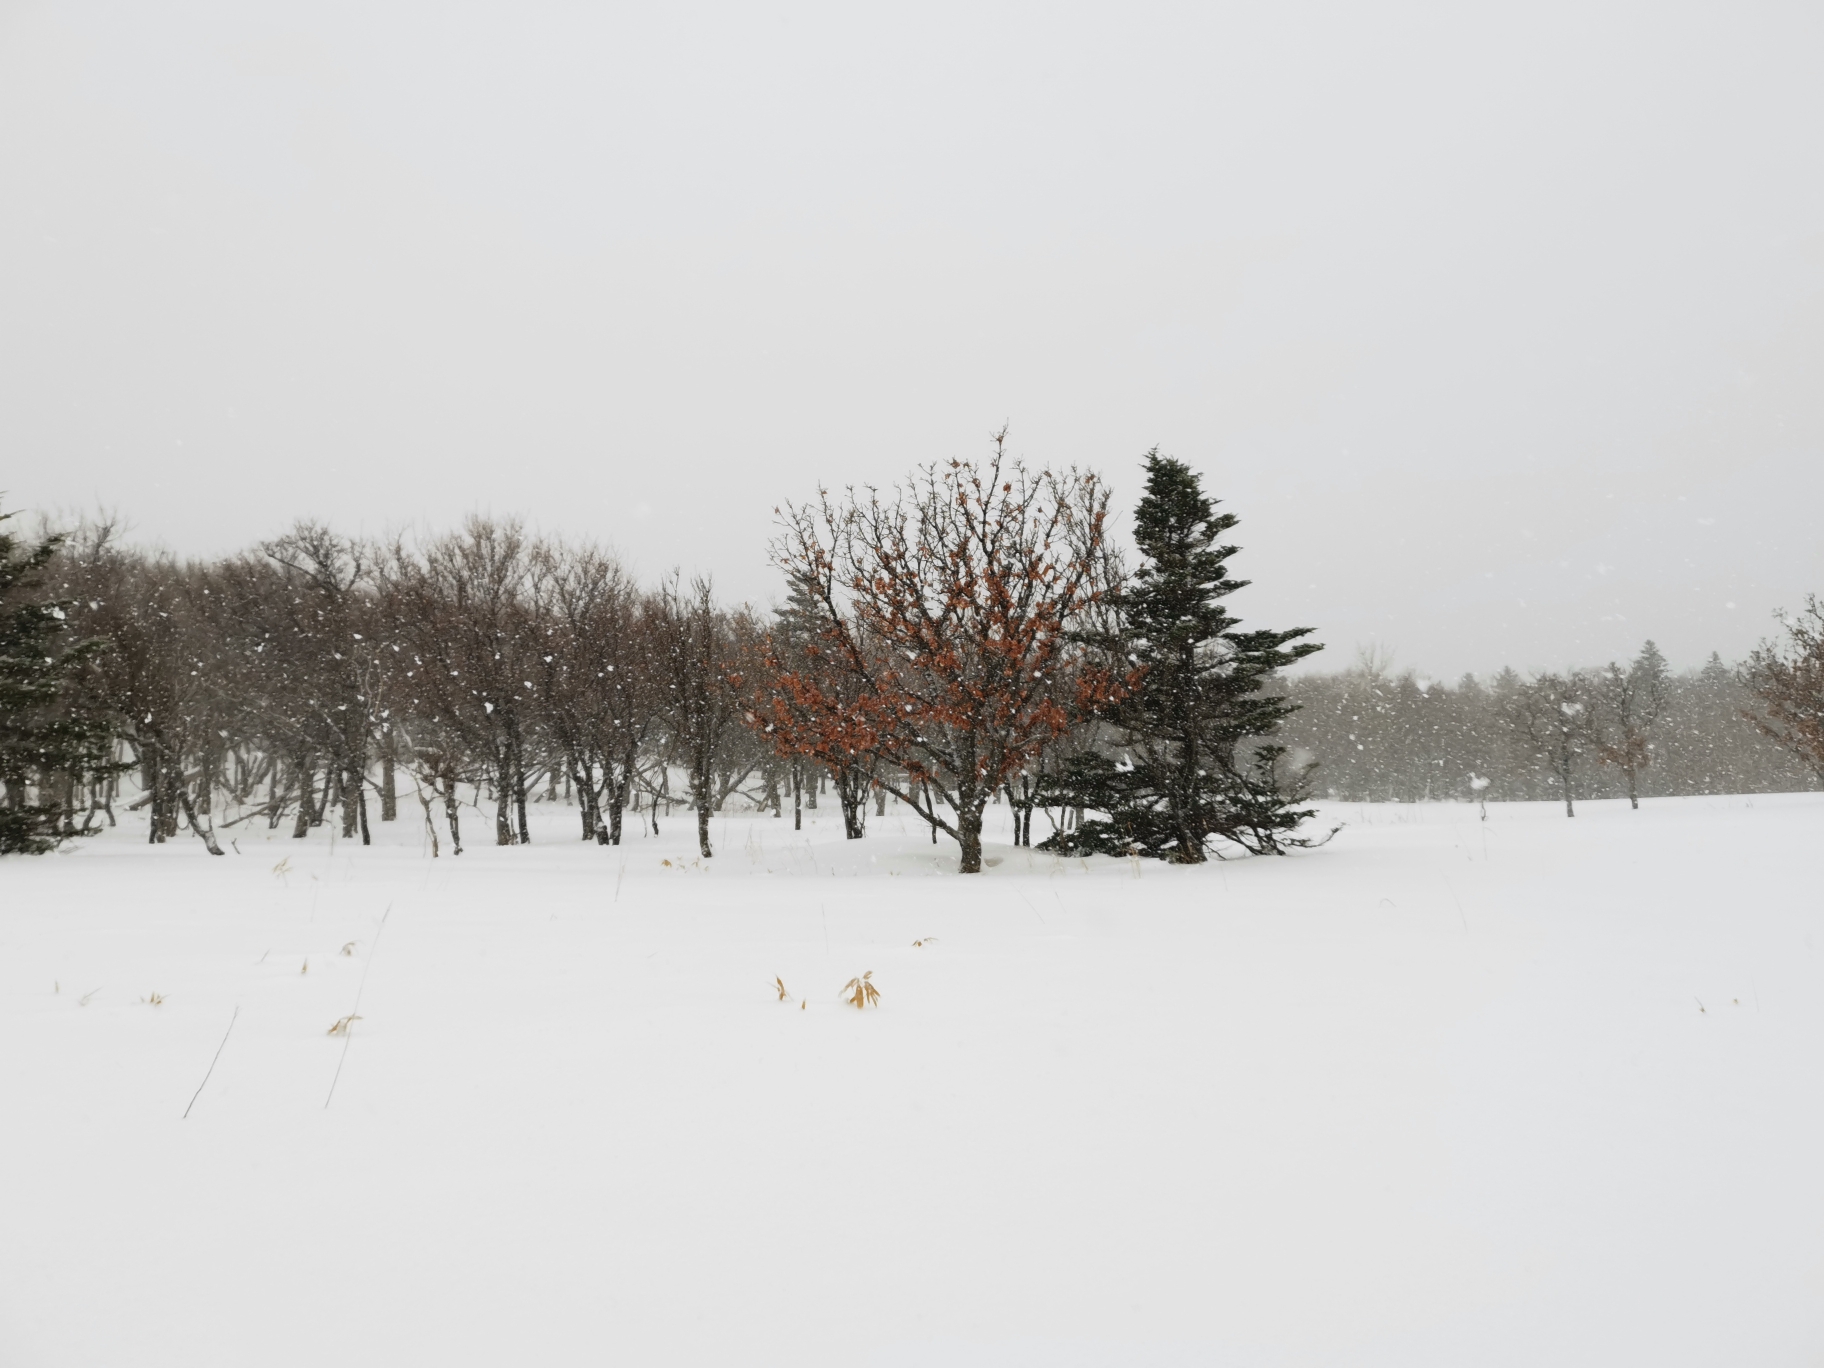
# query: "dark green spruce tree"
x,y
1186,753
51,745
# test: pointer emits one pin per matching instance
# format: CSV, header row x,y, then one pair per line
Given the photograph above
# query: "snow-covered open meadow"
x,y
1444,1092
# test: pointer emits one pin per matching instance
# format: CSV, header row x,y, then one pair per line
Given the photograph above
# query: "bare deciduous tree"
x,y
1787,679
1554,715
1629,703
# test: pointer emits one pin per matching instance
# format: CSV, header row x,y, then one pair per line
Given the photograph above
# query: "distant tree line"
x,y
1628,730
965,638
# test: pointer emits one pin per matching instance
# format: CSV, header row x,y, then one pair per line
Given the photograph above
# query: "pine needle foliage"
x,y
1189,755
51,744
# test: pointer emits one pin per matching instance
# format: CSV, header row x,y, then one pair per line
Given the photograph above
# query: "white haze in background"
x,y
1501,330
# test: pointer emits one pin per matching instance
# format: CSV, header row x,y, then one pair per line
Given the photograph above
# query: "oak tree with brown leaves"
x,y
942,652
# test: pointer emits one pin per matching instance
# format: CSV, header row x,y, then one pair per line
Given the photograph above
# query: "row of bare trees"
x,y
928,649
320,679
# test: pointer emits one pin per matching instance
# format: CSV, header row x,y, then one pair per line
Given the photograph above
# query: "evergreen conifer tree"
x,y
50,745
1190,755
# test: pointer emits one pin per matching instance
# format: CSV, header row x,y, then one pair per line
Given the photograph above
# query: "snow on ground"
x,y
1444,1092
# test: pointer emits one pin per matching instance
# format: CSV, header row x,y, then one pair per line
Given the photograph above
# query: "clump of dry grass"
x,y
343,1025
306,967
779,983
861,992
348,950
155,1000
920,944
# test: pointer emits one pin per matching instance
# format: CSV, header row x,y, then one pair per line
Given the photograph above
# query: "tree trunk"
x,y
430,827
503,821
350,786
584,777
969,837
154,790
449,815
612,835
797,796
171,782
519,792
852,793
307,783
389,795
620,788
208,838
703,830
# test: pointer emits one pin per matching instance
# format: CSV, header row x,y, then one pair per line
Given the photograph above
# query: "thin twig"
x,y
360,988
218,1054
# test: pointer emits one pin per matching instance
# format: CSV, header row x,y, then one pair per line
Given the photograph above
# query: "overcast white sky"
x,y
1500,327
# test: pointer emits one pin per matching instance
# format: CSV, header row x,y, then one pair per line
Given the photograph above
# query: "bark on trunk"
x,y
519,792
349,791
389,795
583,776
307,783
503,821
208,837
969,837
449,815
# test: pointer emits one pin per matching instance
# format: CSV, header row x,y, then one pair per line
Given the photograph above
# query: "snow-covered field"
x,y
1530,1091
